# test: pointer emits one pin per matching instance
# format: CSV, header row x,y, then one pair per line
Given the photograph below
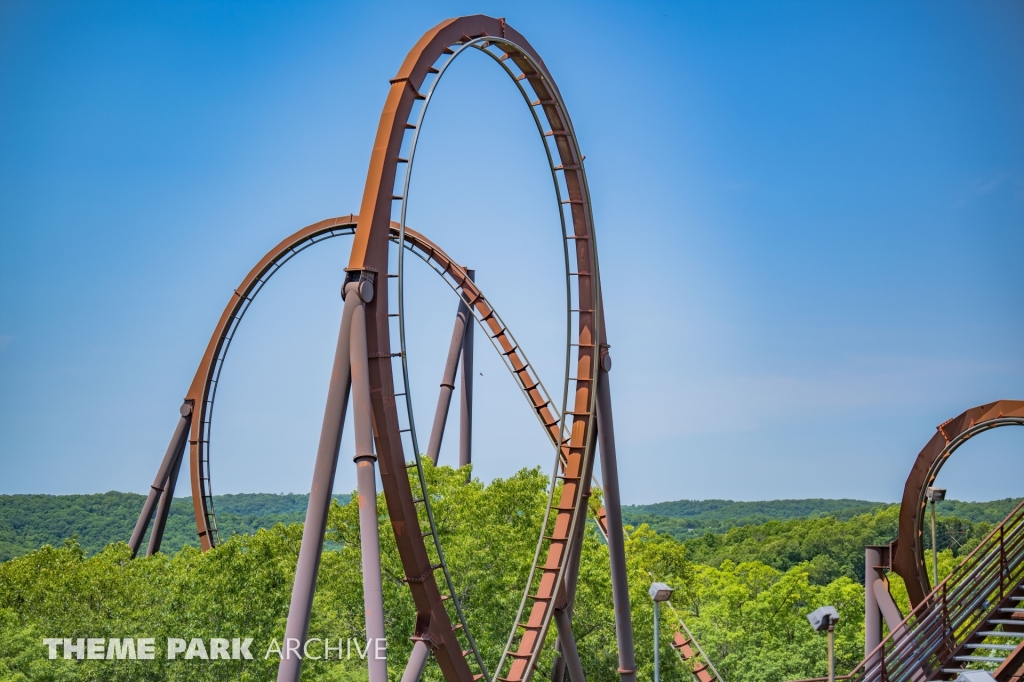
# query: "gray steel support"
x,y
417,662
872,614
613,512
569,652
935,550
174,450
890,612
319,499
558,664
369,537
164,507
466,384
451,368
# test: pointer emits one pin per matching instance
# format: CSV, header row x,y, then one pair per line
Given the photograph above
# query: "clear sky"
x,y
811,219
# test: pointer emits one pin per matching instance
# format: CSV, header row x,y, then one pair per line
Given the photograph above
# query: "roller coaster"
x,y
371,367
978,607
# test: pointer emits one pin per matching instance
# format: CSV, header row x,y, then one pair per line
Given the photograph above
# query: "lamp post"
x,y
659,592
934,495
825,618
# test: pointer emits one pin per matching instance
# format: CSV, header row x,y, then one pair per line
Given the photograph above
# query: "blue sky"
x,y
811,219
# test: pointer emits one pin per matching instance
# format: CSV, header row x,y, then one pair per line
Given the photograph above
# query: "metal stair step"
x,y
997,633
1011,609
1005,621
980,659
1001,647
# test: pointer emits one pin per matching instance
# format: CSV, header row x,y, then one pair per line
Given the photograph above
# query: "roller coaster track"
x,y
691,653
398,133
572,427
974,618
203,390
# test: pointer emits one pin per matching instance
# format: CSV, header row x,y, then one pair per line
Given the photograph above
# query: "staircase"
x,y
973,620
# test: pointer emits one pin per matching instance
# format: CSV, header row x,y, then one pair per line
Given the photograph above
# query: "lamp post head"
x,y
935,494
660,592
824,618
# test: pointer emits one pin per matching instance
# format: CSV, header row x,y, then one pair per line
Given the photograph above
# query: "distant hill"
x,y
29,521
687,519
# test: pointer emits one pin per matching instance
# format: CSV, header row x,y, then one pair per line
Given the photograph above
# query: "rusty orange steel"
x,y
370,252
572,426
908,561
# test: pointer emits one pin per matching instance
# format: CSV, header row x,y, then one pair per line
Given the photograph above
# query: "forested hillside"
x,y
744,592
685,519
27,522
749,616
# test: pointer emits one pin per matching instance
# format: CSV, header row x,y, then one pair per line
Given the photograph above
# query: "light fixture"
x,y
825,618
659,592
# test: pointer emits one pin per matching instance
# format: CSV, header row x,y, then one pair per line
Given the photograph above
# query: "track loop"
x,y
573,441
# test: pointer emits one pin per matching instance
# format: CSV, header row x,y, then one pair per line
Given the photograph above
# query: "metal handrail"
x,y
953,611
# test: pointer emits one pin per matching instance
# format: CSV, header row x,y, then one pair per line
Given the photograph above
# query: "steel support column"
x,y
466,395
417,662
173,453
569,651
451,368
365,459
163,509
319,497
613,511
872,614
558,664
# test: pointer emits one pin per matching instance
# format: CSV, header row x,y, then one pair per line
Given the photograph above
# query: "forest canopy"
x,y
744,592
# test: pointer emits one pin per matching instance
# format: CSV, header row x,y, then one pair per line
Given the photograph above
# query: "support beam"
x,y
558,664
174,450
569,651
872,614
320,496
164,507
613,511
451,368
890,611
369,537
466,384
417,662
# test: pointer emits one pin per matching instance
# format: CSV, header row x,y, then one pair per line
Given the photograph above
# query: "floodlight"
x,y
935,494
823,618
660,592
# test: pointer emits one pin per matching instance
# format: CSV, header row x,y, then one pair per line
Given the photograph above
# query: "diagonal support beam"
x,y
451,368
319,498
569,652
164,508
417,662
173,454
